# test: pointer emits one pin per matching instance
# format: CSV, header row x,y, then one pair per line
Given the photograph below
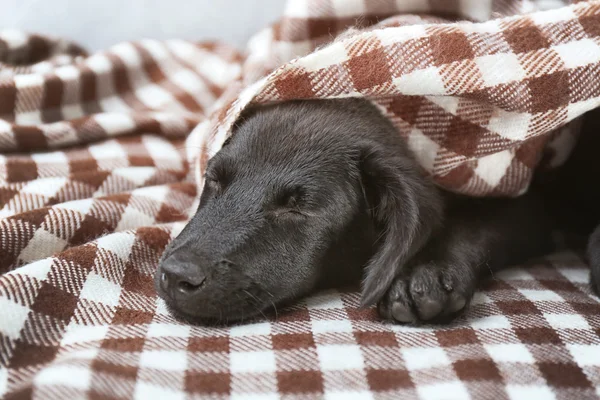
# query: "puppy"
x,y
313,194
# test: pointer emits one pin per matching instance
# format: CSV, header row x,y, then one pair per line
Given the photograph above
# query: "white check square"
x,y
164,360
567,321
81,334
541,295
332,55
3,381
576,275
491,322
134,218
325,300
523,392
64,375
14,316
493,167
424,149
509,353
514,274
511,125
100,290
45,187
254,396
585,355
421,358
553,16
444,391
168,330
114,122
261,328
331,326
252,361
340,357
348,8
421,81
579,54
42,242
354,395
146,390
498,69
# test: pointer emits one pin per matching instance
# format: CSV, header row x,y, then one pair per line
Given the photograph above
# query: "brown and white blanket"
x,y
101,164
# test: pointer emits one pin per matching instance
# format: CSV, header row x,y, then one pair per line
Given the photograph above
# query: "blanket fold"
x,y
101,165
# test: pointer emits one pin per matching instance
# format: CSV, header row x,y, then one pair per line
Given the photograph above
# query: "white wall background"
x,y
97,24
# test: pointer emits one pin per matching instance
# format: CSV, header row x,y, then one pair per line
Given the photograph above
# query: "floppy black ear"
x,y
406,208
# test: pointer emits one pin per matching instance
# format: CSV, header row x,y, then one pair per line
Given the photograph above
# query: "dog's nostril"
x,y
178,281
189,287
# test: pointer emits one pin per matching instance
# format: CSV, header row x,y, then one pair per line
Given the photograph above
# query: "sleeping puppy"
x,y
313,194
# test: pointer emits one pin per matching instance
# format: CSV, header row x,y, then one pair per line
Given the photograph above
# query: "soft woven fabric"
x,y
102,158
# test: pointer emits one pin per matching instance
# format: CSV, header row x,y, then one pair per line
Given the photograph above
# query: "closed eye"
x,y
213,183
219,174
290,201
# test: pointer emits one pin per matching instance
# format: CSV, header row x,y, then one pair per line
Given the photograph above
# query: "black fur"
x,y
479,237
593,254
312,194
573,197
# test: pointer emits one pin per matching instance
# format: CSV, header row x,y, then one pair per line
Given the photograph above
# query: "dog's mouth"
x,y
219,319
232,306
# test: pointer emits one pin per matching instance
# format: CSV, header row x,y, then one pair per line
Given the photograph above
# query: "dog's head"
x,y
302,191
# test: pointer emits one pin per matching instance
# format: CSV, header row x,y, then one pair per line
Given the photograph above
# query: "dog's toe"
x,y
430,293
427,292
397,304
402,313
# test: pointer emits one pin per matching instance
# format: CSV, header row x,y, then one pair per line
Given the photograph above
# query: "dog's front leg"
x,y
479,236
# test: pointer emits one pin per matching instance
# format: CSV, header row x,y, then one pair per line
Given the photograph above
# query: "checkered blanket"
x,y
101,165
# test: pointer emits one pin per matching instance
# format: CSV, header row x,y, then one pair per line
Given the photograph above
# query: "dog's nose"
x,y
180,281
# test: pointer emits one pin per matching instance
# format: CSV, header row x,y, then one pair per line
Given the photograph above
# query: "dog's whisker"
x,y
274,308
257,303
273,304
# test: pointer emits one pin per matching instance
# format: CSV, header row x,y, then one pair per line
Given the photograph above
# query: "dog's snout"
x,y
179,281
196,286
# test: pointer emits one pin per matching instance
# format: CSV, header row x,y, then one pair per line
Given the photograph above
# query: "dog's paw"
x,y
429,293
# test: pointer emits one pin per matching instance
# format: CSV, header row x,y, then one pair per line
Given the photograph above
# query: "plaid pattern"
x,y
531,334
477,102
101,160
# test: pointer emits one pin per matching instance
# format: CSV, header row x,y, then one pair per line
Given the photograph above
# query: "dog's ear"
x,y
406,208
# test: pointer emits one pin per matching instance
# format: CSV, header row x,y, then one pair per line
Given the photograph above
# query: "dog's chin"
x,y
218,318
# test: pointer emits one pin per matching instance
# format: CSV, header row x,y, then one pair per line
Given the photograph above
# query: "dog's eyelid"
x,y
212,180
290,202
291,197
217,175
215,183
290,213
